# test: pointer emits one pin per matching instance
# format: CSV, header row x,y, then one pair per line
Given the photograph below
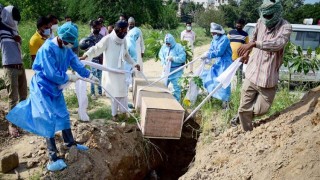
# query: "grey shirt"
x,y
11,53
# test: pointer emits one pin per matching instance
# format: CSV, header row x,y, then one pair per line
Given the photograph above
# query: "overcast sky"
x,y
311,1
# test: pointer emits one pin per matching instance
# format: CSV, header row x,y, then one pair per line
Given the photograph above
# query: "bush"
x,y
153,38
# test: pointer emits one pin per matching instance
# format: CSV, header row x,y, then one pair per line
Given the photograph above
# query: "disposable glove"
x,y
170,58
73,77
56,165
93,78
207,61
204,56
137,67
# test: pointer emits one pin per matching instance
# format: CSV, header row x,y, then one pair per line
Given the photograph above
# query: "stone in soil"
x,y
8,161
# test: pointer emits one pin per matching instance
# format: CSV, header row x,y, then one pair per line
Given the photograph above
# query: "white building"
x,y
205,3
217,3
208,3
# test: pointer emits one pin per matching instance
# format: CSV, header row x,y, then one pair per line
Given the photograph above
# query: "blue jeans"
x,y
51,143
98,74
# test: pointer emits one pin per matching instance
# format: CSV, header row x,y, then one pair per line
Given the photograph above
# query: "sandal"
x,y
13,131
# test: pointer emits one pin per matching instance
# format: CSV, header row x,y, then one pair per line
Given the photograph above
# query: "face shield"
x,y
216,28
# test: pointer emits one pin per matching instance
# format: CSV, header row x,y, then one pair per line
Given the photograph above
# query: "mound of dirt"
x,y
284,146
116,152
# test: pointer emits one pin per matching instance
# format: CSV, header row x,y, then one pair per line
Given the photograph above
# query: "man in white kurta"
x,y
115,52
190,36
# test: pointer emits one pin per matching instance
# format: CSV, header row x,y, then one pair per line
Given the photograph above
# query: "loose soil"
x,y
284,146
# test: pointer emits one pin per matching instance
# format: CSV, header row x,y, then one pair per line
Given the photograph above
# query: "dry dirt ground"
x,y
285,146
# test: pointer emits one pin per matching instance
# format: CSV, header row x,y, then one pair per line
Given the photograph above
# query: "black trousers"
x,y
51,144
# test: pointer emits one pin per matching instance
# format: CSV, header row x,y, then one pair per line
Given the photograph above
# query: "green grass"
x,y
100,112
214,117
72,100
284,99
35,176
233,104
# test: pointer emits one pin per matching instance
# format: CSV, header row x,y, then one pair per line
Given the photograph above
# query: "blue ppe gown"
x,y
220,50
177,52
131,40
45,111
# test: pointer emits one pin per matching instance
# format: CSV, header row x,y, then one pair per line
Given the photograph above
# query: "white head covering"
x,y
7,19
131,19
216,28
120,42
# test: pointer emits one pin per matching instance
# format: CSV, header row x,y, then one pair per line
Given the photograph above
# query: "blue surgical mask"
x,y
215,37
47,32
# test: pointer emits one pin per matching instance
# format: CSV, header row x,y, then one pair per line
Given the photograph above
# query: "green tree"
x,y
204,18
248,10
188,11
33,9
289,8
144,11
230,13
306,11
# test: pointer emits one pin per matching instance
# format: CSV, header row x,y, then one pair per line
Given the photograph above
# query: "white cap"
x,y
216,28
131,19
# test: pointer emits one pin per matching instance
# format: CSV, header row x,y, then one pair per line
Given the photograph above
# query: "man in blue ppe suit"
x,y
45,111
174,52
221,51
131,38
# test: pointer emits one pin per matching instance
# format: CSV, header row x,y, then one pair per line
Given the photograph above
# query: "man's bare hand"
x,y
245,48
17,38
245,58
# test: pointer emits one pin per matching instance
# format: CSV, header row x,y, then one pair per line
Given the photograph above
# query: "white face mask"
x,y
69,45
54,27
189,28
